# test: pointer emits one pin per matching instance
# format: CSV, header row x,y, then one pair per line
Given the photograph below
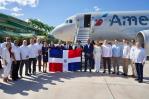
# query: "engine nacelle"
x,y
143,37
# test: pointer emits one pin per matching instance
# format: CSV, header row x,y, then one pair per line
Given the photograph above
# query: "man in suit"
x,y
88,54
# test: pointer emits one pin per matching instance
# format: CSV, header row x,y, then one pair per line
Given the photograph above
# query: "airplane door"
x,y
87,21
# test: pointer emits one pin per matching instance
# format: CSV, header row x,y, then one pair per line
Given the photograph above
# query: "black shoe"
x,y
124,74
34,73
117,73
27,74
19,78
14,79
104,71
136,79
113,72
140,81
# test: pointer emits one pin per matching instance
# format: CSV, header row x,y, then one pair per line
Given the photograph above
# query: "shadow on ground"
x,y
36,83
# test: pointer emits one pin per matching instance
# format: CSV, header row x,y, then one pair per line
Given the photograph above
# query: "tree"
x,y
42,28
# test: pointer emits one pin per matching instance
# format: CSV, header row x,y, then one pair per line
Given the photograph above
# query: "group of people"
x,y
15,57
110,54
115,54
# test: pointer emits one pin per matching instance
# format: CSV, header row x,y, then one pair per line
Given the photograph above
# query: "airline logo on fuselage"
x,y
99,21
123,20
129,20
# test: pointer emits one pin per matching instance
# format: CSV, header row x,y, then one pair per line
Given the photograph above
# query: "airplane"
x,y
105,25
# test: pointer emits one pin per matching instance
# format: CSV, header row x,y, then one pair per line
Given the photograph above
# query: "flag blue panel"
x,y
56,53
74,66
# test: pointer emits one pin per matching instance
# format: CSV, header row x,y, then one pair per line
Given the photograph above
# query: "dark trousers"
x,y
15,69
88,60
32,62
39,62
81,63
0,65
107,62
116,64
26,62
139,69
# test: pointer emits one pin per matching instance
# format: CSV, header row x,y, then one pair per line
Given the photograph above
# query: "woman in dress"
x,y
97,55
45,49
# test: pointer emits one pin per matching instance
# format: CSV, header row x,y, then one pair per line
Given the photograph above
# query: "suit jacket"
x,y
88,50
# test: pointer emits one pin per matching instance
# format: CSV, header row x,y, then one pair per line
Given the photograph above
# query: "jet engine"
x,y
143,38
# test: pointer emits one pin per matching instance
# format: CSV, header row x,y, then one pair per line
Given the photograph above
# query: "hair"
x,y
92,42
133,42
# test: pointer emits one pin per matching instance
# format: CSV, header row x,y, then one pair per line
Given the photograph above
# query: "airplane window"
x,y
66,21
70,21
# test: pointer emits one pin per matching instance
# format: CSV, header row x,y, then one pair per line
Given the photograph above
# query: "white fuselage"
x,y
105,25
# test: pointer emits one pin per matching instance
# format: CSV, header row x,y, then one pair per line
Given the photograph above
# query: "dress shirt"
x,y
126,51
116,50
106,50
132,52
33,51
39,48
3,45
24,52
17,52
139,56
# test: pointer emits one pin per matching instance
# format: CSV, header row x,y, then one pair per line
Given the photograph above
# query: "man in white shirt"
x,y
32,56
106,54
132,50
7,39
116,55
16,63
39,52
139,60
24,58
126,56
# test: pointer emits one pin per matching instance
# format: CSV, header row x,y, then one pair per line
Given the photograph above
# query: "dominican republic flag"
x,y
64,60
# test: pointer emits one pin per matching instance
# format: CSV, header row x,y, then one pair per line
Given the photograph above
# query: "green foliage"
x,y
42,28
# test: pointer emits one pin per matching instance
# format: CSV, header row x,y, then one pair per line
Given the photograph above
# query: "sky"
x,y
55,12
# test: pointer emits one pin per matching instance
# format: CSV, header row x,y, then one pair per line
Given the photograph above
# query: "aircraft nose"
x,y
64,32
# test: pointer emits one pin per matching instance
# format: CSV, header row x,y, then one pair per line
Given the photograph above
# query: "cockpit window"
x,y
70,21
66,21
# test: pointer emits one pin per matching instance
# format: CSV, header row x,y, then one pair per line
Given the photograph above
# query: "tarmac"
x,y
76,85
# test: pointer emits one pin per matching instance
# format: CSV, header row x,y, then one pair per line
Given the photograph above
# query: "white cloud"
x,y
96,8
26,20
32,3
16,9
17,14
3,8
3,2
